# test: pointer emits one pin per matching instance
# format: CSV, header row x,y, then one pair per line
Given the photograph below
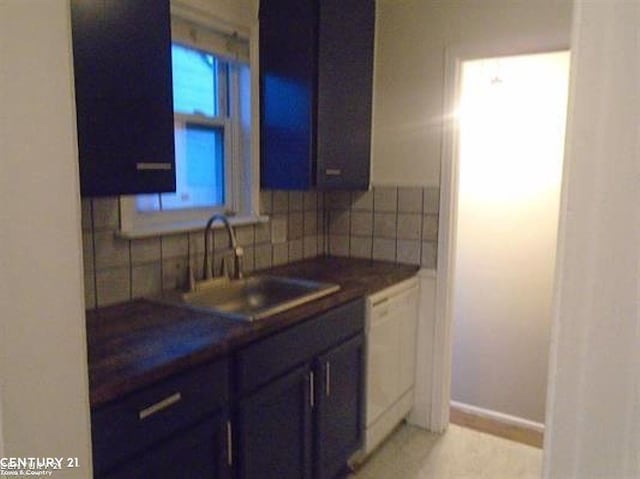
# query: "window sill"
x,y
187,227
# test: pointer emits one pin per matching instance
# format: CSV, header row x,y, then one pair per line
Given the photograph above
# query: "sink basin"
x,y
258,297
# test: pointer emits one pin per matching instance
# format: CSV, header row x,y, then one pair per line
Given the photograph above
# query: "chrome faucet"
x,y
233,245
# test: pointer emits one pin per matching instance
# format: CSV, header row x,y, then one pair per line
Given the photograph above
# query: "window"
x,y
201,112
211,102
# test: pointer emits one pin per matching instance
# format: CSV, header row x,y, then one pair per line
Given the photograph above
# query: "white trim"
x,y
187,226
443,340
238,167
254,65
234,164
499,417
423,390
132,222
561,246
403,184
202,120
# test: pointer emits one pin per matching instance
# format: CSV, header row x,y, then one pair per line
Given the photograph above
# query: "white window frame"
x,y
239,164
230,161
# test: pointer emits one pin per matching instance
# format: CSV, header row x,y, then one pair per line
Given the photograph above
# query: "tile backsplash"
x,y
117,269
388,223
385,223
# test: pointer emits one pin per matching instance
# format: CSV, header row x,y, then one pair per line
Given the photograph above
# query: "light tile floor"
x,y
459,453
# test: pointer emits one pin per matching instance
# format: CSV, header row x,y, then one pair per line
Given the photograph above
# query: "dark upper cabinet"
x,y
316,77
124,104
345,89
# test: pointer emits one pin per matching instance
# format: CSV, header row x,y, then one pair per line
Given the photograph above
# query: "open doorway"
x,y
506,155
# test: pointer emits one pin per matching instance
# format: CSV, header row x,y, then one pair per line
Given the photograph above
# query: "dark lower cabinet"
x,y
288,406
308,422
300,412
274,429
175,428
198,453
339,416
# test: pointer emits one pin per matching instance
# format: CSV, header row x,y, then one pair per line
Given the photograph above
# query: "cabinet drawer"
x,y
266,359
143,418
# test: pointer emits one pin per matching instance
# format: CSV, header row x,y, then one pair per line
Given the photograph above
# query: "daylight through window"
x,y
201,120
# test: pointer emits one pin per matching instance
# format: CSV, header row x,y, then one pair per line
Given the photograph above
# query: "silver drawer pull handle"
x,y
159,406
312,401
229,444
333,172
141,166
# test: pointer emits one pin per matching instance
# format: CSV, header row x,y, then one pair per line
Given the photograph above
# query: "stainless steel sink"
x,y
258,297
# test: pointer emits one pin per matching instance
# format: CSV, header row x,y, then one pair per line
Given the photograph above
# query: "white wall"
x,y
510,164
411,38
593,428
43,362
1,428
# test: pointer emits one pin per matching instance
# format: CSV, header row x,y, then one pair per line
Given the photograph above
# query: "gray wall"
x,y
411,39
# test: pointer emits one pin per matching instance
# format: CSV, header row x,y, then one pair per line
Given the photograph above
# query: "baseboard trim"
x,y
497,423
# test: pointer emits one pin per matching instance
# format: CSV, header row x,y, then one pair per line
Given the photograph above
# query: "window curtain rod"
x,y
203,30
206,20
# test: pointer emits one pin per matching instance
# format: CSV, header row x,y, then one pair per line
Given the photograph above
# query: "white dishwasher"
x,y
391,327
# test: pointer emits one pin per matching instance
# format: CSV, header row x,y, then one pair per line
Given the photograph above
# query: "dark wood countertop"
x,y
132,345
365,275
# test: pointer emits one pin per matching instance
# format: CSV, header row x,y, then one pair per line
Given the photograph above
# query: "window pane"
x,y
199,167
195,81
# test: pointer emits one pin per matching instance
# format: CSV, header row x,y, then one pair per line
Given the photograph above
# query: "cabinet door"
x,y
124,105
274,429
345,89
287,93
340,413
198,453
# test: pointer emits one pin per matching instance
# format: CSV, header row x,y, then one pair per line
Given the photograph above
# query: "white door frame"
x,y
443,338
